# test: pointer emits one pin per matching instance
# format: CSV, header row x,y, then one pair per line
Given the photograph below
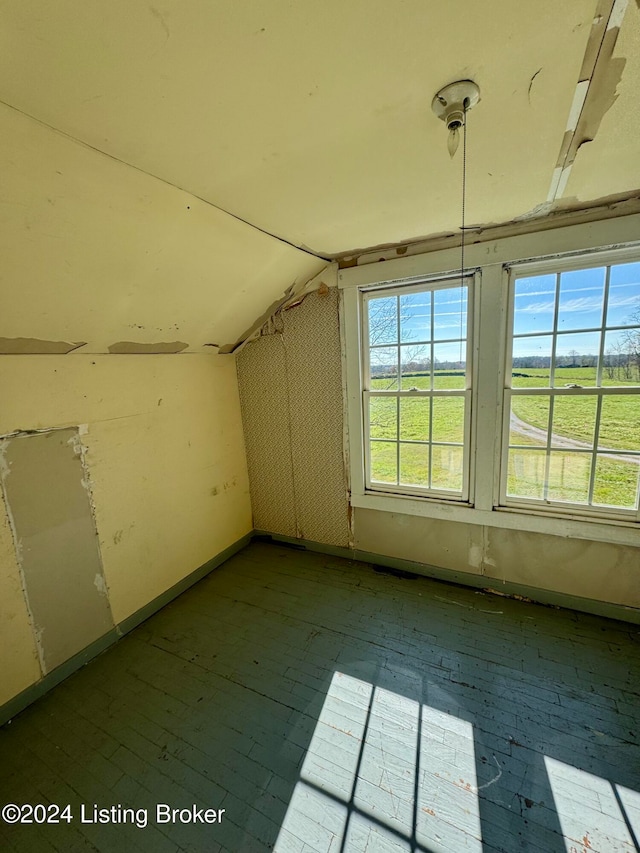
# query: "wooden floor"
x,y
327,706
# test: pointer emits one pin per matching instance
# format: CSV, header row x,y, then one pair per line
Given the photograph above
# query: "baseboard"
x,y
492,585
538,596
52,679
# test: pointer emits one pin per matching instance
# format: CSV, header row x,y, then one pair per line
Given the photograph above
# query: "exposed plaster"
x,y
35,346
80,449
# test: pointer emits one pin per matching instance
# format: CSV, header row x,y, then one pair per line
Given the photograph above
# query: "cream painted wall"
x,y
18,655
94,250
599,571
165,455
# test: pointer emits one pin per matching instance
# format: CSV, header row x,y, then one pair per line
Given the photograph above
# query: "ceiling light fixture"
x,y
452,104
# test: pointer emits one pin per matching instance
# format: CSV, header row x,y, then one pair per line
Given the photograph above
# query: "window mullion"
x,y
605,303
547,460
486,398
594,456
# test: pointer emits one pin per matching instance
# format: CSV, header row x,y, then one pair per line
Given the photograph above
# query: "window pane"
x,y
383,365
620,422
414,464
446,468
450,313
384,467
449,365
448,419
581,299
534,304
616,482
415,364
415,317
383,416
402,355
574,421
621,358
624,295
383,320
576,359
529,420
531,362
526,473
414,419
569,474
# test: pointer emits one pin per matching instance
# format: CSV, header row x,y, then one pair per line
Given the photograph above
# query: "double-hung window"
x,y
571,435
417,388
507,396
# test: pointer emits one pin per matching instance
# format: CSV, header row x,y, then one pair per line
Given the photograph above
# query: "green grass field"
x,y
615,483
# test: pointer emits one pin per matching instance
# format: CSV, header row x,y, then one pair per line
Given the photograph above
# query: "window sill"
x,y
596,530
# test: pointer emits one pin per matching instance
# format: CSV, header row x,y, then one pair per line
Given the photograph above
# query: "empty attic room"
x,y
320,426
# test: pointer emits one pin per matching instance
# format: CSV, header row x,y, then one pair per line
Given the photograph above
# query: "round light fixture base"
x,y
451,102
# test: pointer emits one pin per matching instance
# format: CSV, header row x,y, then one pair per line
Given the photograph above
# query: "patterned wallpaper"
x,y
291,397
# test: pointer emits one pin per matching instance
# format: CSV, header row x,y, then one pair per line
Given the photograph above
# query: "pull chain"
x,y
464,195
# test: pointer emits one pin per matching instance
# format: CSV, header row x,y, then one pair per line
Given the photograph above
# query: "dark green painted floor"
x,y
326,706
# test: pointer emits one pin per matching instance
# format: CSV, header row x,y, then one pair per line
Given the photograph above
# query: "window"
x,y
417,387
508,399
572,396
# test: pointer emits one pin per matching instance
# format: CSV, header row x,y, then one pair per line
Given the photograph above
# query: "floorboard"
x,y
330,707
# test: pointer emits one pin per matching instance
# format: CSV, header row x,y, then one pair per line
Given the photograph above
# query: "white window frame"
x,y
492,259
426,285
558,266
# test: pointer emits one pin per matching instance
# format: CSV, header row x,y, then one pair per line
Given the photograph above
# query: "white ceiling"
x,y
171,168
312,121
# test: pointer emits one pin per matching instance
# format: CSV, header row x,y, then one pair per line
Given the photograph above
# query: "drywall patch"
x,y
47,492
158,348
35,346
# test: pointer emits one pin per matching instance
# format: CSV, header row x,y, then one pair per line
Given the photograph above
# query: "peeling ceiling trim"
x,y
595,91
543,218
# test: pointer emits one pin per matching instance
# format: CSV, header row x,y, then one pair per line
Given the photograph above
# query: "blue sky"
x,y
449,321
580,307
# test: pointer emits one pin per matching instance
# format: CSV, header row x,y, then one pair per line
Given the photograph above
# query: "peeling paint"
x,y
135,348
35,346
270,321
101,585
596,91
544,217
475,556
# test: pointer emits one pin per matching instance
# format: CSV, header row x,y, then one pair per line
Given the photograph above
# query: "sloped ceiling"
x,y
243,139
